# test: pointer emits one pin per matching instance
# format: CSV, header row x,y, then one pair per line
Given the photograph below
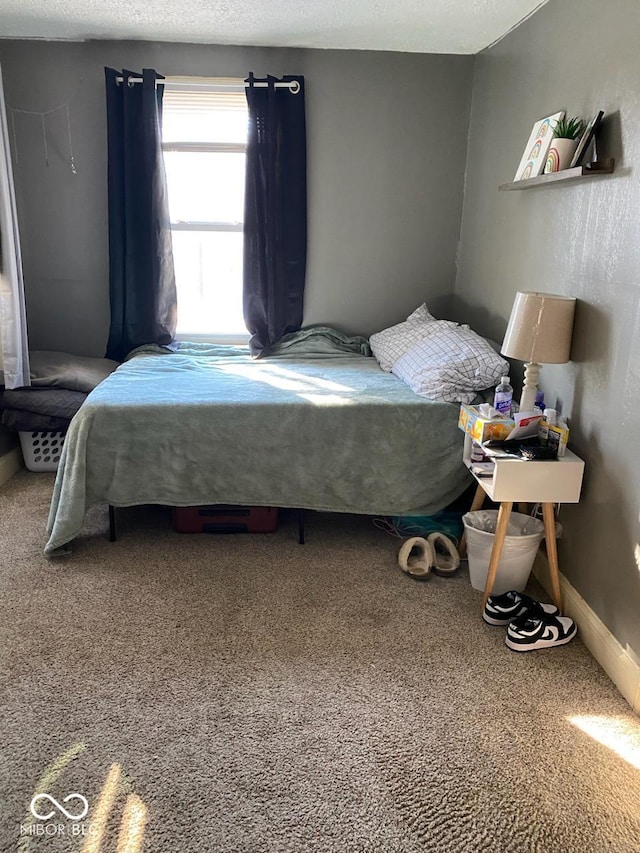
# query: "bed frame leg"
x,y
300,527
112,523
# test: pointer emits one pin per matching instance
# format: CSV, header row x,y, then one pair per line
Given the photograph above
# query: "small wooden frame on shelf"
x,y
600,167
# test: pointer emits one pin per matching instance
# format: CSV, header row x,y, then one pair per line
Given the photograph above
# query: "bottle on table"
x,y
503,397
477,453
549,418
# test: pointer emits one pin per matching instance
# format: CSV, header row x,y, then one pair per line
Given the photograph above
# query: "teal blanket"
x,y
207,424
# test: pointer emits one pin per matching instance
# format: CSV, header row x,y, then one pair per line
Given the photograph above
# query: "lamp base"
x,y
531,377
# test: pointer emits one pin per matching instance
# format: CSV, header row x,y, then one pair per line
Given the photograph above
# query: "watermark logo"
x,y
68,815
43,807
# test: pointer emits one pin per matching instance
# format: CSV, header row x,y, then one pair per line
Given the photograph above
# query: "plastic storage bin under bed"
x,y
225,518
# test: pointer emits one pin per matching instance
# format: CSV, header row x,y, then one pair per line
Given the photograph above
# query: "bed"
x,y
318,426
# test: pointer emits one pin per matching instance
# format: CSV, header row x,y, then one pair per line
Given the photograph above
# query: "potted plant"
x,y
566,134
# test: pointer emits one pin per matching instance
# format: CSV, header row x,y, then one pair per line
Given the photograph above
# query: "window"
x,y
204,134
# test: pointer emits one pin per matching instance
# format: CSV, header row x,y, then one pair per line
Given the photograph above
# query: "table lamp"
x,y
539,332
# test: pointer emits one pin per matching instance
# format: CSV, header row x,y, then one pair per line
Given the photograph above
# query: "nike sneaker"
x,y
540,632
502,609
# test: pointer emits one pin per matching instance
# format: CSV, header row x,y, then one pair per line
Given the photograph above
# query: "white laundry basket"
x,y
521,544
41,450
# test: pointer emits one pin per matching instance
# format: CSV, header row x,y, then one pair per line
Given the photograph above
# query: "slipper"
x,y
416,558
444,563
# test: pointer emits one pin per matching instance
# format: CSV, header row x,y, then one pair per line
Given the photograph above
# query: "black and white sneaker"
x,y
540,632
502,609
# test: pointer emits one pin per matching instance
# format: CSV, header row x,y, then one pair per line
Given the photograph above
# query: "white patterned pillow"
x,y
450,363
389,344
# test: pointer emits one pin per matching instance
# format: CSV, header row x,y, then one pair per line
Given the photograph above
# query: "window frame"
x,y
213,226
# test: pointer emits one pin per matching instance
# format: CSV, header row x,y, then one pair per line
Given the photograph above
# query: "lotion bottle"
x,y
503,397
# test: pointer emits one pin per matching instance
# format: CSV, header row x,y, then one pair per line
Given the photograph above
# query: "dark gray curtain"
x,y
142,287
275,215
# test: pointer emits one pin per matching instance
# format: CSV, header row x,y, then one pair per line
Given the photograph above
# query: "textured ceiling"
x,y
420,26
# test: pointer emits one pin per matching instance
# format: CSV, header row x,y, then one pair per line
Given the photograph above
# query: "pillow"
x,y
451,363
63,370
388,345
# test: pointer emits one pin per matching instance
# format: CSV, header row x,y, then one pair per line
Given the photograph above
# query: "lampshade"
x,y
540,328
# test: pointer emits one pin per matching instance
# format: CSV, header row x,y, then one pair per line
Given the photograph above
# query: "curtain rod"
x,y
292,85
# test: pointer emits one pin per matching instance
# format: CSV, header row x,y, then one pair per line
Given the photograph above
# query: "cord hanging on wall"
x,y
71,160
44,140
43,124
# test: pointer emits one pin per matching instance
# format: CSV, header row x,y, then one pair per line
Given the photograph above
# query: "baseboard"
x,y
621,665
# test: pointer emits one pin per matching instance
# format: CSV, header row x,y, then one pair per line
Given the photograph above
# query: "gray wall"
x,y
579,239
386,148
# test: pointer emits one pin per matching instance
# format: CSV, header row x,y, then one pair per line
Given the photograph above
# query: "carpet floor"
x,y
245,693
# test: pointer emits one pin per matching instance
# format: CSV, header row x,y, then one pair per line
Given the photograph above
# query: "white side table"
x,y
521,481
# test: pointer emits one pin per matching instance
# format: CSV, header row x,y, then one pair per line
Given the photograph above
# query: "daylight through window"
x,y
204,133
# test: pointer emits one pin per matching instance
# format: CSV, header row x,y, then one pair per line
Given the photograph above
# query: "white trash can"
x,y
521,544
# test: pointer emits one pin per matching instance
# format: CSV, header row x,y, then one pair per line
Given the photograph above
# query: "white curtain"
x,y
13,315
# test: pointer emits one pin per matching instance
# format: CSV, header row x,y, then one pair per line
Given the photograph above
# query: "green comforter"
x,y
207,424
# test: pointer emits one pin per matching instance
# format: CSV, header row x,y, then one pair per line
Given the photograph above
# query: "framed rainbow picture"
x,y
535,154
